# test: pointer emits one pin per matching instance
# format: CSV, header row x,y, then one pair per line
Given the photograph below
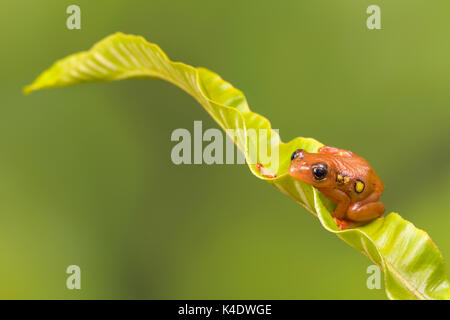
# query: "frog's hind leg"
x,y
365,212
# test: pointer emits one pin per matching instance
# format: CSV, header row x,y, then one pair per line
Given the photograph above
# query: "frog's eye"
x,y
320,171
298,154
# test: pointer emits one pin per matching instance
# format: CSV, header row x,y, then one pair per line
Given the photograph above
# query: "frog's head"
x,y
312,168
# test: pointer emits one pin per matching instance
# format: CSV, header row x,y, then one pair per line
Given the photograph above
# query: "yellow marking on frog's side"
x,y
342,179
359,186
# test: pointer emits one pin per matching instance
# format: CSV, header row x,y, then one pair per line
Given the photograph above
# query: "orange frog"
x,y
344,178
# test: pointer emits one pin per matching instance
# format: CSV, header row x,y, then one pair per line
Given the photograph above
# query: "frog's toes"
x,y
341,223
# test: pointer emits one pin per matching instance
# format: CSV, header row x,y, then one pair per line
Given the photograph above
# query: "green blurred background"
x,y
86,176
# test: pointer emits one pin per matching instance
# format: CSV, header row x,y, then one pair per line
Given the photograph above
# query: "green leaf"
x,y
414,268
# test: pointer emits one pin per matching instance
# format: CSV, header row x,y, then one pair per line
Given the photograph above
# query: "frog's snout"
x,y
299,170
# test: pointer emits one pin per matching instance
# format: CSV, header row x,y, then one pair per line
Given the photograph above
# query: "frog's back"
x,y
356,177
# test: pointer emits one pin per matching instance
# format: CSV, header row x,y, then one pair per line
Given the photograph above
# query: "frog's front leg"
x,y
341,199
